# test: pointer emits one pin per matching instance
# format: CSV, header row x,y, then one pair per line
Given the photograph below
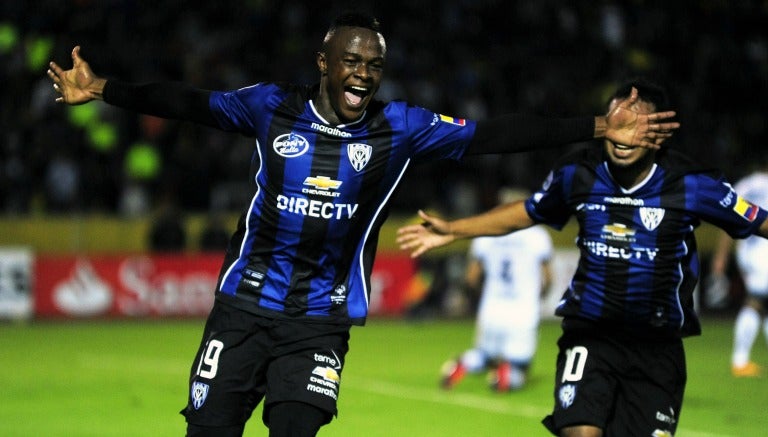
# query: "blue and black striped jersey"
x,y
306,244
638,264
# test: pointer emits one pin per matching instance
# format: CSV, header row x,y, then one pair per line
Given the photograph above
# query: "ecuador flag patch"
x,y
745,209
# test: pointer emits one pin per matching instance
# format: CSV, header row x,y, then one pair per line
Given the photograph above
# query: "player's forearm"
x,y
499,221
721,253
521,132
167,100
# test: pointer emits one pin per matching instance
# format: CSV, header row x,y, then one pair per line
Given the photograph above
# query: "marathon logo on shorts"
x,y
567,395
199,394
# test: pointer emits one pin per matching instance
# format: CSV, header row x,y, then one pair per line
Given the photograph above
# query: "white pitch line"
x,y
471,401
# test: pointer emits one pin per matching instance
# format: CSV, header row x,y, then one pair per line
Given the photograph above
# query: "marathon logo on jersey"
x,y
322,186
651,217
290,145
359,155
199,394
618,232
336,132
624,201
452,120
316,208
745,209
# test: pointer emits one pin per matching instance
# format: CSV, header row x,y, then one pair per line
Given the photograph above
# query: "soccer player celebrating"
x,y
621,363
327,159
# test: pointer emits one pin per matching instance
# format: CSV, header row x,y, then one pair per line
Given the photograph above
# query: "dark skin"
x,y
351,67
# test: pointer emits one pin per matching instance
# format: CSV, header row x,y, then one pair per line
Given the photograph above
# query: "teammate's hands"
x,y
625,126
78,85
432,233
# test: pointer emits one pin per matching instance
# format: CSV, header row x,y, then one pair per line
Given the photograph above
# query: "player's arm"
x,y
721,253
167,100
520,132
763,229
436,232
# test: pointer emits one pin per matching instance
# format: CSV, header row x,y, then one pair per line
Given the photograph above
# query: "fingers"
x,y
661,115
664,127
632,98
76,59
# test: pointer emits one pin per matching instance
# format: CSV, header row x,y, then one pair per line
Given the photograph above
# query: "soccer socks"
x,y
745,332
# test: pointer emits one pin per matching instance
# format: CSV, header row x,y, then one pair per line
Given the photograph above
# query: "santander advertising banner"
x,y
128,286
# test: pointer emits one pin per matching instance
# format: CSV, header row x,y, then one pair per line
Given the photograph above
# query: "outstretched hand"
x,y
626,126
78,85
432,233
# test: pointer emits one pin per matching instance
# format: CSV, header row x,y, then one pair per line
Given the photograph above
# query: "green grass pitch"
x,y
128,378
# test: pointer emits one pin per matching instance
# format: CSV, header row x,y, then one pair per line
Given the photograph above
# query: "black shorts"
x,y
625,386
244,358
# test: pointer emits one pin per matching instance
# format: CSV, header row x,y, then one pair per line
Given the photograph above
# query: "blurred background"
x,y
93,178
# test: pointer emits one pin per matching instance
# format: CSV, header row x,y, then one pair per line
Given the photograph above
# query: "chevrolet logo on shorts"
x,y
322,183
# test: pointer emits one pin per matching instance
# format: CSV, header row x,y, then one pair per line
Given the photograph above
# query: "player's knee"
x,y
581,431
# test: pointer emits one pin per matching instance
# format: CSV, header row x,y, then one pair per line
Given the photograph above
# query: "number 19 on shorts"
x,y
209,361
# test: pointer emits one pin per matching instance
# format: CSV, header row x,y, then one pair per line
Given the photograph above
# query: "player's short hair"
x,y
352,19
647,90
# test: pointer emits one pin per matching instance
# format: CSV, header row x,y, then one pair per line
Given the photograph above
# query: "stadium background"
x,y
82,188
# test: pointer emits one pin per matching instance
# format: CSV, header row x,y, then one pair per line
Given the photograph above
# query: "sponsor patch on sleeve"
x,y
452,120
745,209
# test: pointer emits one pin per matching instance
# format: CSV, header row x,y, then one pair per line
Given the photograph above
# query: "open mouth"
x,y
354,95
623,147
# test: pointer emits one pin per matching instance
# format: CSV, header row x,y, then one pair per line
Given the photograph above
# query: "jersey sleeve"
x,y
549,204
716,202
239,110
436,136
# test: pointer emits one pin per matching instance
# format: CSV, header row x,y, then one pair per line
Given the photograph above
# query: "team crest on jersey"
x,y
567,394
199,394
359,155
651,217
290,145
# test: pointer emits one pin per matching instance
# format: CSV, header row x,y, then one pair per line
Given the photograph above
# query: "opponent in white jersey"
x,y
751,257
514,273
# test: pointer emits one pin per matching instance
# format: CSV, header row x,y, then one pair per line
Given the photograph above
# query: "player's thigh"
x,y
651,393
308,369
585,383
227,378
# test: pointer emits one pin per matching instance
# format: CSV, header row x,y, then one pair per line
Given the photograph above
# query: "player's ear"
x,y
322,63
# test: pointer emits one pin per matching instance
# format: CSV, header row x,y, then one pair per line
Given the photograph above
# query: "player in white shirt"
x,y
514,273
752,260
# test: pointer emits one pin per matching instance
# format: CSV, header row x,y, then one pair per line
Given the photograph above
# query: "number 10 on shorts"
x,y
575,360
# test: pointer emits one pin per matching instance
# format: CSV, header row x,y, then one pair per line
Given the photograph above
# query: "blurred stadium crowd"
x,y
466,58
